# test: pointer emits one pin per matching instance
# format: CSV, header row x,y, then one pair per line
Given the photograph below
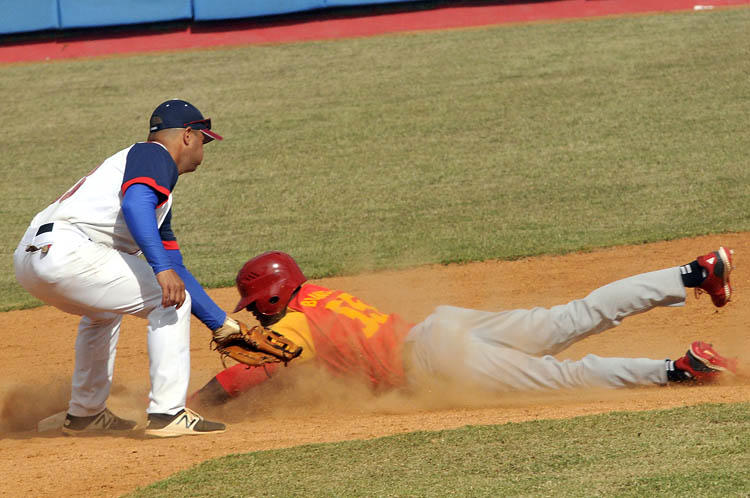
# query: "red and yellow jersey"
x,y
346,335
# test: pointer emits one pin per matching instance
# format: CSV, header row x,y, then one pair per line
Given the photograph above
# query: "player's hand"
x,y
172,288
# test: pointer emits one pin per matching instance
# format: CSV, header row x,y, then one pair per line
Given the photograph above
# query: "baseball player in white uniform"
x,y
82,255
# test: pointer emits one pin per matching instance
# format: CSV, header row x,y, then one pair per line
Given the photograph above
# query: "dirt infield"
x,y
30,389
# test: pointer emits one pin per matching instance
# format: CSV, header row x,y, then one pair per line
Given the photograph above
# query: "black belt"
x,y
47,227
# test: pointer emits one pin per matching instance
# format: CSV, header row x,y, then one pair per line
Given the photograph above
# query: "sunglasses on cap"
x,y
205,122
204,126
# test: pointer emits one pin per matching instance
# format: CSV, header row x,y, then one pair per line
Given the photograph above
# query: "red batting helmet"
x,y
268,280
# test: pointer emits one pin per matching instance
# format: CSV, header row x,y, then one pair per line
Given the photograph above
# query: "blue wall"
x,y
210,10
19,16
28,15
92,13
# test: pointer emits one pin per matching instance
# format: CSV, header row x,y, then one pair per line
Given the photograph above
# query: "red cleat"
x,y
718,265
703,363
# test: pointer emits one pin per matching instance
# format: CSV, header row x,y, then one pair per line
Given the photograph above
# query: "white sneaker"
x,y
104,422
183,423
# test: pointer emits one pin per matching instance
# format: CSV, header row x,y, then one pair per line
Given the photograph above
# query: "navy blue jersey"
x,y
150,163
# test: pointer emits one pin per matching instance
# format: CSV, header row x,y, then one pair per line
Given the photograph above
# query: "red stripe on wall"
x,y
324,26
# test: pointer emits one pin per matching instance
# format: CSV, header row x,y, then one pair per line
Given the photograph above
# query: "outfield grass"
x,y
401,150
695,451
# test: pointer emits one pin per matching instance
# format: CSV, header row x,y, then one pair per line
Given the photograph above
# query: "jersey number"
x,y
351,307
76,186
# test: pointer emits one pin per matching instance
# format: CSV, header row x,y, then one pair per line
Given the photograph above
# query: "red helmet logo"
x,y
268,280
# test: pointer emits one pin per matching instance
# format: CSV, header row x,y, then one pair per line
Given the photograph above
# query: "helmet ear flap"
x,y
272,293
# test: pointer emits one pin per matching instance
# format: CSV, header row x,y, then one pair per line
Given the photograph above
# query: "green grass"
x,y
401,150
695,451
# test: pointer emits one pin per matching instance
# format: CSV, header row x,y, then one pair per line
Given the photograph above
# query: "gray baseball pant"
x,y
511,350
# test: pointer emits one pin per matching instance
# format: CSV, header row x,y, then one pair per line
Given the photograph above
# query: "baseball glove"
x,y
253,346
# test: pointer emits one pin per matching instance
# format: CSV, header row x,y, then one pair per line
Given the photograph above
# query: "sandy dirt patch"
x,y
54,465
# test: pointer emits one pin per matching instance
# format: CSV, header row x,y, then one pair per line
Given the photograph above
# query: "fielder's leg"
x,y
96,346
88,279
169,357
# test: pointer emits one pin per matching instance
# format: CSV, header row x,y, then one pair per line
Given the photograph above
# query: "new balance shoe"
x,y
184,423
717,265
702,363
105,422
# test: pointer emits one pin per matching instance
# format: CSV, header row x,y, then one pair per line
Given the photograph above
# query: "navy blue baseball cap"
x,y
177,113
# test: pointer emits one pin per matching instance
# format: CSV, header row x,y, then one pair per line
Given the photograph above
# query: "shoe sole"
x,y
178,433
93,433
727,262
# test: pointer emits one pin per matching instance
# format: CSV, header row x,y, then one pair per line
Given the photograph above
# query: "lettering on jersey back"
x,y
351,307
311,300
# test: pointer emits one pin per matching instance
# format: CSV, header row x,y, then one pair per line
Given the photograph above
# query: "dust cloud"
x,y
23,405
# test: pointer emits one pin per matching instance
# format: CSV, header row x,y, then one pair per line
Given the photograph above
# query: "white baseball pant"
x,y
101,285
510,350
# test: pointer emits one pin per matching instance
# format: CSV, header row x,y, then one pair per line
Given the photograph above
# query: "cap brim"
x,y
211,135
242,304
